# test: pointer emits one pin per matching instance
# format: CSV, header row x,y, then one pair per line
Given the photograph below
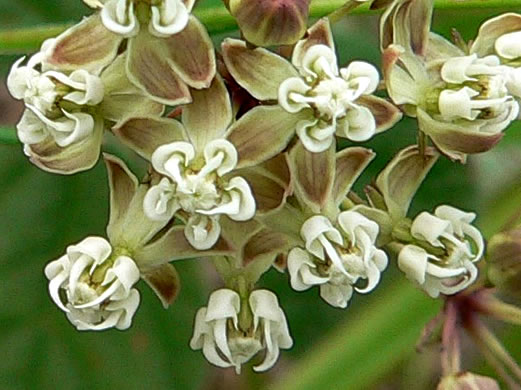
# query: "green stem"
x,y
218,20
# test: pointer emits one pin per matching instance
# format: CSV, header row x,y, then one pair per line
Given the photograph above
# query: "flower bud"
x,y
467,381
504,261
271,22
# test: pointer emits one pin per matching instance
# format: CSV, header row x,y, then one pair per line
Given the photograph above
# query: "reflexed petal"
x,y
457,140
148,68
123,185
146,134
172,246
385,113
191,54
314,175
350,163
210,114
401,178
267,23
258,70
164,281
262,133
87,45
491,30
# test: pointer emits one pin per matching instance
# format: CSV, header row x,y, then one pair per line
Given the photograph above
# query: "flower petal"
x,y
164,281
145,134
149,69
123,185
350,163
87,45
314,175
258,70
209,115
191,54
262,133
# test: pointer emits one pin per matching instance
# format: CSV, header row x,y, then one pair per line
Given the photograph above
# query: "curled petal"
x,y
169,18
316,136
289,87
430,228
223,303
358,71
118,16
202,232
159,203
313,229
227,152
167,158
358,125
30,129
319,60
300,268
412,260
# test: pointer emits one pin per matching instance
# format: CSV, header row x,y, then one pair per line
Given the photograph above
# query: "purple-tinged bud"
x,y
271,22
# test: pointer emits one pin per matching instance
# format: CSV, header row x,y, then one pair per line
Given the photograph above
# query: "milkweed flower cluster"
x,y
247,158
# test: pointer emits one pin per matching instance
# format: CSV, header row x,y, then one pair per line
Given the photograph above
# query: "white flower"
x,y
336,259
98,286
168,17
41,93
202,191
217,331
332,93
461,244
481,92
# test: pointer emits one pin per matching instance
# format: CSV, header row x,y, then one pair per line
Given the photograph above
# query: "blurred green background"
x,y
370,345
